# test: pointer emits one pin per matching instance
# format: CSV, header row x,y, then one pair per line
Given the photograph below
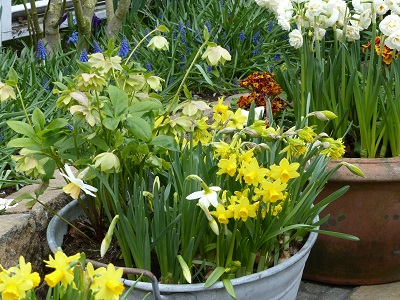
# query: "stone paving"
x,y
319,291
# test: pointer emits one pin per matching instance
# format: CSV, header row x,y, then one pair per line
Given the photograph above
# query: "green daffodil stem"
x,y
23,105
232,245
250,263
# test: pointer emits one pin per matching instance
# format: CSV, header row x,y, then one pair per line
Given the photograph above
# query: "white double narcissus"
x,y
76,184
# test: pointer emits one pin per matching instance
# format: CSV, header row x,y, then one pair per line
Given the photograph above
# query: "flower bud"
x,y
353,169
105,244
214,226
324,115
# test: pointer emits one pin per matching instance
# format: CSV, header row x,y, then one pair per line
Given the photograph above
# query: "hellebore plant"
x,y
348,64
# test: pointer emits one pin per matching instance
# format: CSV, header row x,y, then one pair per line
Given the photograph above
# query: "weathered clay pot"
x,y
370,210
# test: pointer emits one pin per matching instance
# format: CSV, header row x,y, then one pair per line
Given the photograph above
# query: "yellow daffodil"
x,y
227,166
271,191
295,147
108,284
63,272
223,215
243,209
237,119
247,156
14,287
251,172
307,133
25,269
284,170
333,148
220,108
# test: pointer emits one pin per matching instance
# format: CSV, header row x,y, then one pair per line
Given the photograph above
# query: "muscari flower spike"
x,y
41,51
96,47
124,48
84,57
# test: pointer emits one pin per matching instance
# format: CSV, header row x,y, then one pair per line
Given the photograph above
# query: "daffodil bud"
x,y
105,244
251,132
353,169
214,226
158,42
325,115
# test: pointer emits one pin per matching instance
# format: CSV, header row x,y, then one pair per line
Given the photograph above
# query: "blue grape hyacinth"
x,y
124,48
84,57
41,51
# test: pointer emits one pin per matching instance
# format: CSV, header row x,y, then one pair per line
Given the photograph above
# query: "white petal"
x,y
213,199
215,188
195,195
69,171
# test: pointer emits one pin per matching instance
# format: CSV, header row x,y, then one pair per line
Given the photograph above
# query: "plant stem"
x,y
140,42
23,106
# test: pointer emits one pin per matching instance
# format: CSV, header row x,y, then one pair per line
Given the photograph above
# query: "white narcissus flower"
x,y
296,38
206,197
329,16
319,33
390,24
380,7
352,33
76,184
314,9
216,54
360,5
393,41
284,23
158,42
394,5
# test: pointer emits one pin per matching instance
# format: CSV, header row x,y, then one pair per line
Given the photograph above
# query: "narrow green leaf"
x,y
205,76
229,287
214,277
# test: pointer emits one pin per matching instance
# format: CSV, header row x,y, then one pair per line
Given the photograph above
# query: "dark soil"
x,y
75,242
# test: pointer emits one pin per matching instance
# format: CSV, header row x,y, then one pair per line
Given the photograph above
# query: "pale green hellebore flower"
x,y
216,54
107,161
158,42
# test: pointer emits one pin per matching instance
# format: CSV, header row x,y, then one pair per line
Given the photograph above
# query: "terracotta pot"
x,y
370,210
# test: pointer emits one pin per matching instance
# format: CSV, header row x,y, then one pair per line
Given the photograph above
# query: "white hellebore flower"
x,y
216,54
76,185
158,42
390,24
296,39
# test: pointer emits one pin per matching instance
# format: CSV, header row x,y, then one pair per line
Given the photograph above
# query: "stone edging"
x,y
23,231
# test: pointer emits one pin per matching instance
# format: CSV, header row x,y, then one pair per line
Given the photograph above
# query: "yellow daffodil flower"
x,y
227,166
108,284
223,215
271,191
237,119
63,272
251,172
284,171
243,209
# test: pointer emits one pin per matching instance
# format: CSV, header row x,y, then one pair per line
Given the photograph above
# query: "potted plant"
x,y
349,65
202,199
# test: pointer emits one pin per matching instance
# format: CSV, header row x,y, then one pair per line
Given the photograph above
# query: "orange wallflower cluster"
x,y
387,53
262,86
261,83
